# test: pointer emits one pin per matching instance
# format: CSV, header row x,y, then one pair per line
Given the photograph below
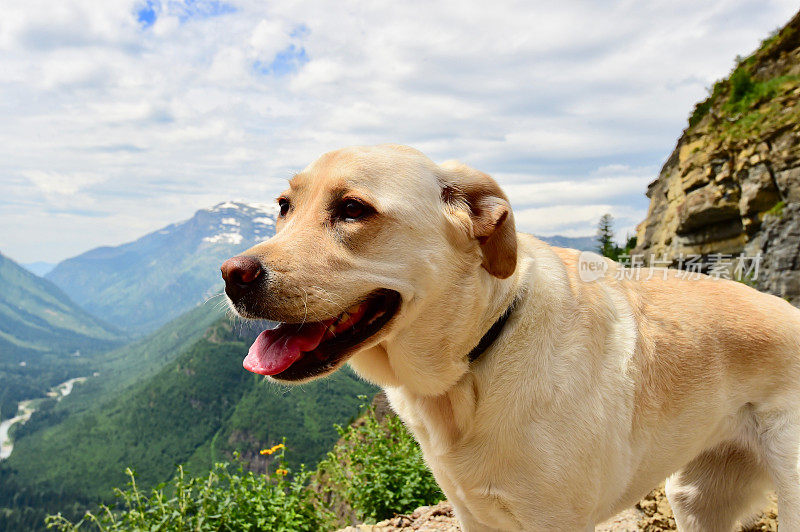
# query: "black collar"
x,y
491,335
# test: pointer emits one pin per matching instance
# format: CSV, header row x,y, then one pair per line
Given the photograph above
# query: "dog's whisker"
x,y
328,293
219,305
213,296
305,304
341,305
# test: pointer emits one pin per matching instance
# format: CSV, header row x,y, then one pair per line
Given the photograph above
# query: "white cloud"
x,y
621,184
576,220
55,184
110,126
268,38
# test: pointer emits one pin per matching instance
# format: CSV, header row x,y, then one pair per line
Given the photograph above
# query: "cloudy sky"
x,y
121,116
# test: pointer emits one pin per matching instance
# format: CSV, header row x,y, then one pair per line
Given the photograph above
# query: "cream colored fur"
x,y
594,392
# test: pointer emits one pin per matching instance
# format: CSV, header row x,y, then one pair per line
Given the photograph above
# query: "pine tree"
x,y
605,237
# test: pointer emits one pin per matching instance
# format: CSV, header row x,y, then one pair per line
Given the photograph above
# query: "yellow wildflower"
x,y
272,449
281,472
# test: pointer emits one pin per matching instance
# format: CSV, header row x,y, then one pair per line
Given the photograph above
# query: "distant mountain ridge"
x,y
145,283
581,243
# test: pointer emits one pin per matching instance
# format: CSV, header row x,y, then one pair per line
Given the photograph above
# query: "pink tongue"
x,y
276,349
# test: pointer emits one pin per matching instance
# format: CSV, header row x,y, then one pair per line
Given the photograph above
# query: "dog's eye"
x,y
353,210
283,203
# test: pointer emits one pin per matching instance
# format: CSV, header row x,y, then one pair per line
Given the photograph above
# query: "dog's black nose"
x,y
240,274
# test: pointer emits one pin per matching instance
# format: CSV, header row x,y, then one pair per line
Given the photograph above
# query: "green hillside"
x,y
24,501
45,338
37,318
150,410
375,471
132,363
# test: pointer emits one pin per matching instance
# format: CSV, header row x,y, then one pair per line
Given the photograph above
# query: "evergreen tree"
x,y
605,237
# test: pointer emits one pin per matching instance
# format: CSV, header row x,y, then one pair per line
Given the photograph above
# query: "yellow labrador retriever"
x,y
541,401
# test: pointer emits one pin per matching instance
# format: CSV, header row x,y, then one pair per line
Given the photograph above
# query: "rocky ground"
x,y
651,514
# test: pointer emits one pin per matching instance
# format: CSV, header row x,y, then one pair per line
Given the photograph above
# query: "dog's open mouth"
x,y
295,351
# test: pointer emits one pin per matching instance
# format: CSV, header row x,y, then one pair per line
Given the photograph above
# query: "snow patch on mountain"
x,y
235,222
226,238
270,209
224,205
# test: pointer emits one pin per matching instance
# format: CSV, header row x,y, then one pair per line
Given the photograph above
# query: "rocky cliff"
x,y
732,184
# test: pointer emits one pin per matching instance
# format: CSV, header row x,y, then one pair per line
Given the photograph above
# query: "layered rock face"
x,y
732,185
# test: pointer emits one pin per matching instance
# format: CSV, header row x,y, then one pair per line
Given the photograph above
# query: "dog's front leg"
x,y
468,521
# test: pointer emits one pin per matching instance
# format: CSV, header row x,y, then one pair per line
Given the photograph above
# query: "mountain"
x,y
582,243
39,268
732,184
143,284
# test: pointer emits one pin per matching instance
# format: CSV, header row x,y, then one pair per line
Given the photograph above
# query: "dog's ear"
x,y
489,212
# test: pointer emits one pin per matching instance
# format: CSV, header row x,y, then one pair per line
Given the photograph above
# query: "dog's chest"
x,y
502,472
471,468
476,481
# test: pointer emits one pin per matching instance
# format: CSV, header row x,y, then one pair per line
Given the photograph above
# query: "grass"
x,y
700,111
751,108
741,85
746,94
704,107
739,100
777,209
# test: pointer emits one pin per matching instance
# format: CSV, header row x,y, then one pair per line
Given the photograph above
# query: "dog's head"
x,y
372,245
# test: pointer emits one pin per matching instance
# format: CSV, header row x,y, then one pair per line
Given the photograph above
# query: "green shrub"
x,y
700,110
227,499
378,470
741,85
746,94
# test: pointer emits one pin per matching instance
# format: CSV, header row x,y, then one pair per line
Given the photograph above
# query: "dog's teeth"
x,y
332,328
375,317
